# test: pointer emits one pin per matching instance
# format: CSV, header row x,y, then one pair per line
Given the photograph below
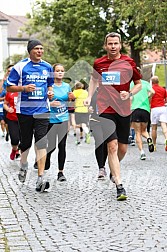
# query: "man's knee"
x,y
112,146
24,146
41,143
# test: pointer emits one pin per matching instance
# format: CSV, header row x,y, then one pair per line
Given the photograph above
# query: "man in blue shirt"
x,y
32,78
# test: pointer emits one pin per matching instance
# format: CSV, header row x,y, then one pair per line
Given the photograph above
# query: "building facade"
x,y
12,39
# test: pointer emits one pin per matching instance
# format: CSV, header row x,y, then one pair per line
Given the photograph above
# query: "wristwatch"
x,y
130,94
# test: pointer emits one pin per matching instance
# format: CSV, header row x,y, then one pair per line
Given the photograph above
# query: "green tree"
x,y
12,60
78,27
138,20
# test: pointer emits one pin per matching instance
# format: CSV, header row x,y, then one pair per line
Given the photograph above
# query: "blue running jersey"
x,y
27,72
60,113
2,94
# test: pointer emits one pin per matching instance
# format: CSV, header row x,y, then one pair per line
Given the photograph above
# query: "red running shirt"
x,y
114,76
11,99
158,99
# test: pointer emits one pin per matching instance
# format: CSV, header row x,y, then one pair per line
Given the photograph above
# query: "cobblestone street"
x,y
83,214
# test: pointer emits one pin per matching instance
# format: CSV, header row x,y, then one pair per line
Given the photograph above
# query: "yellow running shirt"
x,y
80,95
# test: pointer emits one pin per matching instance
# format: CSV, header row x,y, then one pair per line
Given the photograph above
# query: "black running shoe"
x,y
150,144
143,156
121,193
61,177
17,155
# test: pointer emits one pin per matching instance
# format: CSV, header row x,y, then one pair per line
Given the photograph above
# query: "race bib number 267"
x,y
111,78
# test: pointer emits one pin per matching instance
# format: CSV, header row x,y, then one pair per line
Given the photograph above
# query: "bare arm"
x,y
137,87
151,93
15,89
92,87
5,105
26,88
7,108
1,84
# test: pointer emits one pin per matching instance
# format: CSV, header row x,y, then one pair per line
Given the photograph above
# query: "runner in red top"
x,y
114,76
158,110
11,100
160,96
113,73
13,126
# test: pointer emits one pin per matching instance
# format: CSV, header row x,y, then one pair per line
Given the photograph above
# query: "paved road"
x,y
82,214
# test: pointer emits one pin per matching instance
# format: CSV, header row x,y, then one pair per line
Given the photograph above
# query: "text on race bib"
x,y
37,94
111,78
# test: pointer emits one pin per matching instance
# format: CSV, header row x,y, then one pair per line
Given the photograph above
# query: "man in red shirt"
x,y
158,110
114,72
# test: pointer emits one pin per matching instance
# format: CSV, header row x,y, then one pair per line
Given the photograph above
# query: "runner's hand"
x,y
50,95
87,101
29,87
55,103
124,95
10,110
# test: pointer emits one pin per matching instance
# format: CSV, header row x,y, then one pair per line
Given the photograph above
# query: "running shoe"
x,y
150,144
77,142
129,139
132,143
155,148
102,173
61,177
41,184
23,172
165,145
121,193
13,154
17,154
143,156
87,138
22,175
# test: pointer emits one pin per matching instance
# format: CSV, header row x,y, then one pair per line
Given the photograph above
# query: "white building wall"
x,y
3,45
17,47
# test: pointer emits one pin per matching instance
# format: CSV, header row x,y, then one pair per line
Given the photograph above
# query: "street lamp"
x,y
164,57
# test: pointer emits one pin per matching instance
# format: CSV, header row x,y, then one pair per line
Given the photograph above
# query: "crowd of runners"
x,y
36,103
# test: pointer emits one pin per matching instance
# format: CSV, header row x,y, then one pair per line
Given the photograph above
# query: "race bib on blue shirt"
x,y
37,94
60,110
111,78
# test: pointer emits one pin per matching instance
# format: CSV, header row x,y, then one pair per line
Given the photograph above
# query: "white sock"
x,y
86,130
142,152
